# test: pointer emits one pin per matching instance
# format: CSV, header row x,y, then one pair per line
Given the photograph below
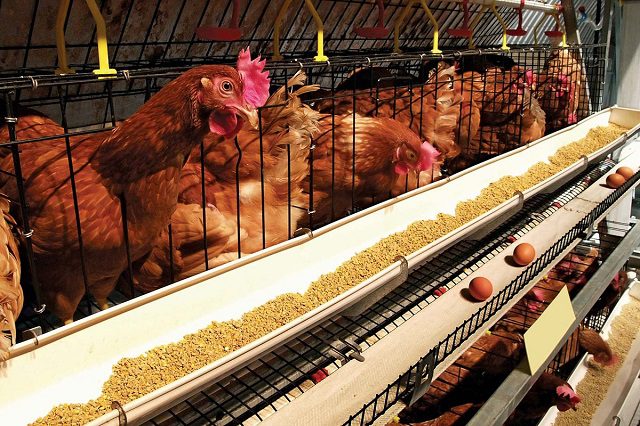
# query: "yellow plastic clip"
x,y
101,33
401,18
319,29
502,24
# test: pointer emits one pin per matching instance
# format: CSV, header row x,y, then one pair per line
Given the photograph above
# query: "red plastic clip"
x,y
230,33
517,32
379,31
464,31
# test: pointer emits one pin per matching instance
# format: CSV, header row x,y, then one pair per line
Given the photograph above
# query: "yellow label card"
x,y
543,336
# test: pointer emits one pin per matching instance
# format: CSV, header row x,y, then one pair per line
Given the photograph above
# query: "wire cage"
x,y
489,101
470,105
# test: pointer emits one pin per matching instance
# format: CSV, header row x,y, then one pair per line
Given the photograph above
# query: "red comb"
x,y
536,300
566,391
529,77
538,294
428,155
256,81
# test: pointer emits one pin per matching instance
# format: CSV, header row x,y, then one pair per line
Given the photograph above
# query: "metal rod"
x,y
74,192
514,4
24,207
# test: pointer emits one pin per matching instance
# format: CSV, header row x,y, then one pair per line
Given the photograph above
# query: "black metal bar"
x,y
203,190
27,232
74,192
262,203
27,47
238,224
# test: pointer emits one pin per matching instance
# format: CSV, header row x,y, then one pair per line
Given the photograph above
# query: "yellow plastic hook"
x,y
401,18
502,24
319,29
101,35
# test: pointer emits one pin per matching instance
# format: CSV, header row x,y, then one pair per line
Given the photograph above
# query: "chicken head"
x,y
567,398
408,156
226,97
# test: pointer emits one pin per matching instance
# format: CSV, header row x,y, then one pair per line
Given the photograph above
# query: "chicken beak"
x,y
250,114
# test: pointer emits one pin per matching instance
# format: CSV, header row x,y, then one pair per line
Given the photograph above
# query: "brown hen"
x,y
359,160
496,354
518,130
287,126
558,89
498,114
137,165
431,110
30,124
548,390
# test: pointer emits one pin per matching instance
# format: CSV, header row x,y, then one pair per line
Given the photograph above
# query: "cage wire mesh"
x,y
496,100
470,106
144,33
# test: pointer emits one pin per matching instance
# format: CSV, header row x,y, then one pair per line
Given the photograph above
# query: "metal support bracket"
x,y
568,177
122,416
344,349
424,376
32,333
303,231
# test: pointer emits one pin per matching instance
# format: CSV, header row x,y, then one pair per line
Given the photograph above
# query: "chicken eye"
x,y
411,156
226,86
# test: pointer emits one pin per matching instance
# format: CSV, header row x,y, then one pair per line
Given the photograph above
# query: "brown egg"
x,y
625,172
523,254
480,288
615,180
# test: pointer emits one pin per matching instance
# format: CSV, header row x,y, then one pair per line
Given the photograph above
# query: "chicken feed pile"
x,y
598,379
133,378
